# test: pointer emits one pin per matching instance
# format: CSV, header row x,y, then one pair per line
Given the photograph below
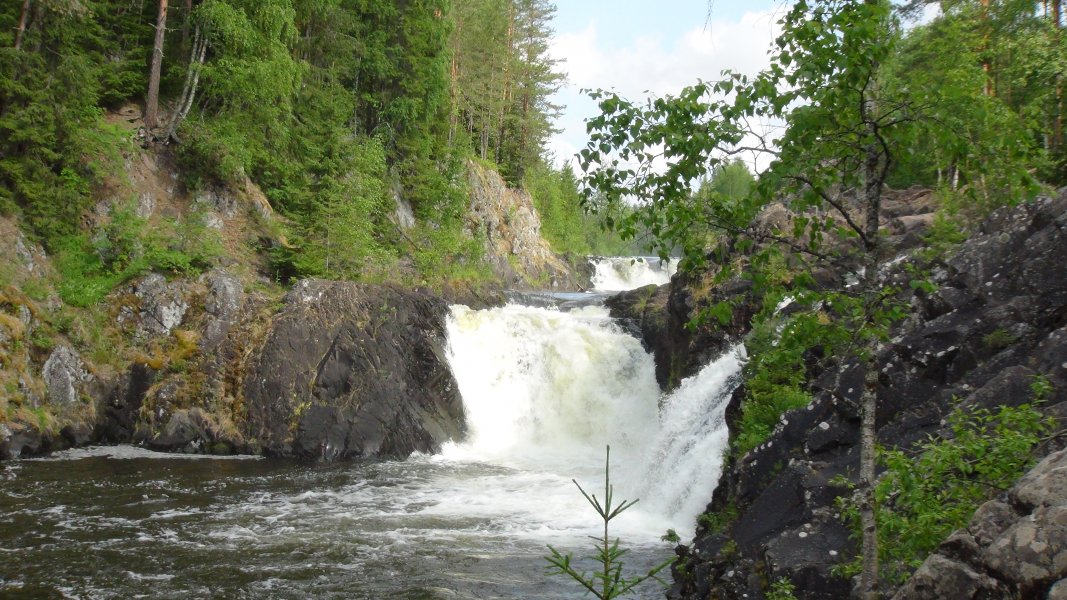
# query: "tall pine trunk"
x,y
23,16
987,66
1057,123
151,113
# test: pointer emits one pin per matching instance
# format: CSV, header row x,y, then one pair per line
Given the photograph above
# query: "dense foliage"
x,y
332,107
971,102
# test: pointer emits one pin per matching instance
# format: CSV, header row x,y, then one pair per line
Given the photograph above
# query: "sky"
x,y
658,46
637,47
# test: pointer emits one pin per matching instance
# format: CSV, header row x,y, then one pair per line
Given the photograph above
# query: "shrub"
x,y
922,498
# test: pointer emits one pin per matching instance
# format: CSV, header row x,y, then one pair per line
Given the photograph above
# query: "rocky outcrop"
x,y
507,219
349,370
997,319
159,306
658,316
1014,547
65,377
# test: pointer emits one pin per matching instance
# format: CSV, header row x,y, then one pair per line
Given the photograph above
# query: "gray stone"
x,y
64,376
507,219
28,254
1045,484
163,306
940,578
219,201
224,297
1033,549
1058,591
146,205
405,216
991,520
914,223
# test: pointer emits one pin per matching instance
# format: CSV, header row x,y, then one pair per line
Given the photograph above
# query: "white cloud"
x,y
652,65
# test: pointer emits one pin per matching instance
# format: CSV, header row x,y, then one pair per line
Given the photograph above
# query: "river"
x,y
545,389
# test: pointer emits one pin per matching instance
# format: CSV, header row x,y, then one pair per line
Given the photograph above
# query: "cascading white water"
x,y
545,391
620,273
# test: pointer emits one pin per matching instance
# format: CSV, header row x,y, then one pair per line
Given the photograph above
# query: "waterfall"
x,y
620,273
545,391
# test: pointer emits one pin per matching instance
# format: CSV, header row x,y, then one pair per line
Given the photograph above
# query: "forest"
x,y
335,108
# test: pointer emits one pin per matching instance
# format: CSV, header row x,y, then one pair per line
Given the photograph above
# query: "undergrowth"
x,y
924,497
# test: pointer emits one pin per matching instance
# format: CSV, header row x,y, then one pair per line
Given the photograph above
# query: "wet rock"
x,y
121,410
659,317
76,434
22,440
65,377
5,442
193,431
351,370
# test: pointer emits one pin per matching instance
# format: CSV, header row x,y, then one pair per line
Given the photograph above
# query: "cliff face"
x,y
225,361
506,219
997,320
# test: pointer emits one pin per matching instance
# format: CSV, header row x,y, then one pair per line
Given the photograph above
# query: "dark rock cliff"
x,y
997,319
350,370
340,370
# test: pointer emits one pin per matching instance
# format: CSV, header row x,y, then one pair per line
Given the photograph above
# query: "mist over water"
x,y
545,392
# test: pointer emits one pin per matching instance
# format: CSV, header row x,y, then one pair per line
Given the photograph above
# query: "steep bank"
x,y
506,218
184,358
997,319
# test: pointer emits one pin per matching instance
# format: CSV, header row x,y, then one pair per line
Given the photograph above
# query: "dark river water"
x,y
86,525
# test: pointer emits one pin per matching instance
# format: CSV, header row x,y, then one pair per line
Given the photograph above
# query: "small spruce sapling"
x,y
609,581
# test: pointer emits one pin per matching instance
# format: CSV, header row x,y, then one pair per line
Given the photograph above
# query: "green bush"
x,y
125,247
775,377
924,497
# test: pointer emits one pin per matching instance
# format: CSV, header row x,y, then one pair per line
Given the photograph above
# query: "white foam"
x,y
544,393
127,452
621,273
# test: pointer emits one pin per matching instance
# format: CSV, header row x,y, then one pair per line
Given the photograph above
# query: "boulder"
x,y
160,307
65,377
350,370
1016,550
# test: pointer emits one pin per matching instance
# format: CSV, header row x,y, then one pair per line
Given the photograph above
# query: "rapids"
x,y
620,273
544,389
